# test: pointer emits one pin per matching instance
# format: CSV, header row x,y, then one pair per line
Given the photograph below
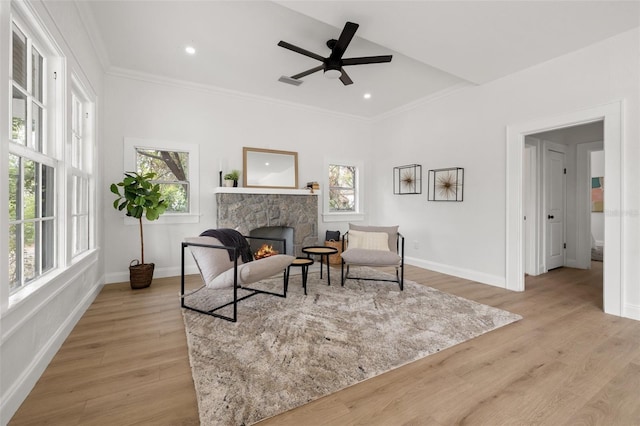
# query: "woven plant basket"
x,y
335,259
140,274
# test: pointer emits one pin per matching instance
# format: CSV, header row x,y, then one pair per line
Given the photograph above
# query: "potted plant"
x,y
140,198
231,178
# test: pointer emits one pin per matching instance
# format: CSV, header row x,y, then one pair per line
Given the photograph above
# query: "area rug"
x,y
286,352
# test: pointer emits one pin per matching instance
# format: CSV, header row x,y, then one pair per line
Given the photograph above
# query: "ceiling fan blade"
x,y
307,72
344,78
367,60
300,50
347,34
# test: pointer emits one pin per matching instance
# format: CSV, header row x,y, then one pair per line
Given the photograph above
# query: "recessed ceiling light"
x,y
367,96
190,50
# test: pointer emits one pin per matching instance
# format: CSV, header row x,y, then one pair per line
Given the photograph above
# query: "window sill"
x,y
166,219
20,296
342,217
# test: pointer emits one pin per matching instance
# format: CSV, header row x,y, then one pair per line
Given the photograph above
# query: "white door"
x,y
555,206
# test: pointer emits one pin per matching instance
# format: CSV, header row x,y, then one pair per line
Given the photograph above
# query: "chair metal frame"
x,y
399,269
236,286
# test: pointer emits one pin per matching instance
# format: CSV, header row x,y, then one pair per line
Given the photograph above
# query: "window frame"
x,y
83,170
44,154
340,216
193,215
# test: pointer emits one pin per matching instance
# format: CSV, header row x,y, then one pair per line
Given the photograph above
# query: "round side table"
x,y
303,263
324,252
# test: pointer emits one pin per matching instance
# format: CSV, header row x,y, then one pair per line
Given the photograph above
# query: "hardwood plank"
x,y
566,362
616,403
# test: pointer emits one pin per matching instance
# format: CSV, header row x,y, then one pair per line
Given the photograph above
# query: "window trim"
x,y
87,167
359,213
45,153
193,216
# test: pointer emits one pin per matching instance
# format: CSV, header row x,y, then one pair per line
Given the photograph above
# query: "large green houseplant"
x,y
140,197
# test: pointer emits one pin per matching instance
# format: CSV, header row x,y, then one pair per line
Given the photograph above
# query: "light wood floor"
x,y
566,362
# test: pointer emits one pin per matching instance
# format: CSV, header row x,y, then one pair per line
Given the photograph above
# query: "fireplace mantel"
x,y
282,191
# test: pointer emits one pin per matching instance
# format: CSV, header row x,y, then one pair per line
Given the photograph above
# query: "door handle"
x,y
550,216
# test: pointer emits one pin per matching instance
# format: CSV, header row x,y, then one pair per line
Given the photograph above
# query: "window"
x,y
176,167
344,198
342,188
172,170
80,170
32,168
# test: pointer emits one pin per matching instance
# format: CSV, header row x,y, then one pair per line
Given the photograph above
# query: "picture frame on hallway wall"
x,y
597,194
446,184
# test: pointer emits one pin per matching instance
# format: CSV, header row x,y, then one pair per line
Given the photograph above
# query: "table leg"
x,y
305,270
328,269
286,280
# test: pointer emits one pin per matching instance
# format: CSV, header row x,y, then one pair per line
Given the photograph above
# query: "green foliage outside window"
x,y
171,169
342,189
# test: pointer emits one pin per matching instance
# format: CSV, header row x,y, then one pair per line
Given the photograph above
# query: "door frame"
x,y
612,115
531,207
583,198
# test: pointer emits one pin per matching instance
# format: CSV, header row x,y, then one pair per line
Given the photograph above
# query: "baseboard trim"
x,y
21,388
172,271
631,311
455,271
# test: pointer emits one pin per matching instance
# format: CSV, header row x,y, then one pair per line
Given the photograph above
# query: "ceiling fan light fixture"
x,y
332,74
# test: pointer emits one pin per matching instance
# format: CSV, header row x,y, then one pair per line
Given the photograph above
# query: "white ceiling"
x,y
437,46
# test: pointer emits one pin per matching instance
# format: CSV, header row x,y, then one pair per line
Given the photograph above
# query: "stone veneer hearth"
x,y
245,209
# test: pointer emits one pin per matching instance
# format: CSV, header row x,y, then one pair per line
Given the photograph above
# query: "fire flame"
x,y
265,251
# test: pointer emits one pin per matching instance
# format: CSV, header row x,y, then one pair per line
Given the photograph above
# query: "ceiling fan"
x,y
334,63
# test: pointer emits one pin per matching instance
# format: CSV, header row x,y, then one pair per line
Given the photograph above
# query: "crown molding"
x,y
90,27
423,101
206,88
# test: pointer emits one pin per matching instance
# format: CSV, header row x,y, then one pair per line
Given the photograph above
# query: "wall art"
x,y
446,184
407,179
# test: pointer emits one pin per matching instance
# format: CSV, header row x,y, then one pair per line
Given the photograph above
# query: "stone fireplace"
x,y
246,209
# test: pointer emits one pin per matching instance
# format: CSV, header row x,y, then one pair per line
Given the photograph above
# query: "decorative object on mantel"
x,y
139,197
407,179
446,184
313,186
231,178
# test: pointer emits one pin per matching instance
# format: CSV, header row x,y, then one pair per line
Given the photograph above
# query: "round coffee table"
x,y
303,263
324,252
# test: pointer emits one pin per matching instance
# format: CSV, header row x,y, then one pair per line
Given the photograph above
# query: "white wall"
x,y
467,129
221,123
597,218
33,329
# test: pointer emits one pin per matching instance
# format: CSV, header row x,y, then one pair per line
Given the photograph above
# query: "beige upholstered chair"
x,y
373,246
222,266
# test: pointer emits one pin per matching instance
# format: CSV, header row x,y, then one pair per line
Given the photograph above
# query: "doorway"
x,y
560,195
610,115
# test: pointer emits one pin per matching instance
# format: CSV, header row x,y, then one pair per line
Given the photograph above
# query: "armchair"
x,y
223,266
373,246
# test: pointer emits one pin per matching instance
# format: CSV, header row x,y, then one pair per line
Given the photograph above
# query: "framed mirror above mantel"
x,y
269,168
